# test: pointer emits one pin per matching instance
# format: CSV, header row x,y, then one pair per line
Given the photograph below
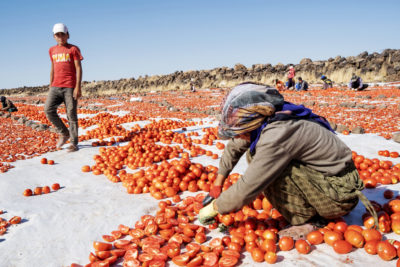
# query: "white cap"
x,y
60,27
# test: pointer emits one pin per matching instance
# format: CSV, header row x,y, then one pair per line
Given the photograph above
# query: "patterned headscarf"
x,y
246,107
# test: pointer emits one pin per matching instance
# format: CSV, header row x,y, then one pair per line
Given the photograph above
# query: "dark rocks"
x,y
348,104
358,130
324,104
383,66
340,128
309,103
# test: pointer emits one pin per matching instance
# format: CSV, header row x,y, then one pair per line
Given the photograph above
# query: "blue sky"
x,y
124,39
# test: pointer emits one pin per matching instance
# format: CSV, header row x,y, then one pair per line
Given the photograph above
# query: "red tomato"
x,y
302,246
101,246
342,246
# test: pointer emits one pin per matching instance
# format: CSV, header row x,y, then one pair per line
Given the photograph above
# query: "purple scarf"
x,y
298,112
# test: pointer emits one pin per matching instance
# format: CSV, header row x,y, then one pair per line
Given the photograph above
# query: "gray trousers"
x,y
57,96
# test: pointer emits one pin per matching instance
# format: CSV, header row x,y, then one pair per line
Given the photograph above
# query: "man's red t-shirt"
x,y
64,67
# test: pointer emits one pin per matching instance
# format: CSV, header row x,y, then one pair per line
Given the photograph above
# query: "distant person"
x,y
327,82
356,83
65,86
301,85
7,105
279,85
291,75
192,87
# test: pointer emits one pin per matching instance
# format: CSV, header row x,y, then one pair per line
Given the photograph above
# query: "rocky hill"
x,y
375,67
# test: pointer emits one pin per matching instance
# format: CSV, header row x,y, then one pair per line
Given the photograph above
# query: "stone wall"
x,y
375,67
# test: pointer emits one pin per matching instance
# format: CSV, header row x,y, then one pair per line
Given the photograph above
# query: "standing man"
x,y
65,86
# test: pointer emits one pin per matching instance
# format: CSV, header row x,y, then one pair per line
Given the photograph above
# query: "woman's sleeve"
x,y
268,163
234,150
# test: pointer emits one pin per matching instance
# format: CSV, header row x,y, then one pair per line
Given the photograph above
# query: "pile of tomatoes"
x,y
375,171
4,224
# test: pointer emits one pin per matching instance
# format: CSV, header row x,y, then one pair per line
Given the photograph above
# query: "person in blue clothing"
x,y
356,83
301,85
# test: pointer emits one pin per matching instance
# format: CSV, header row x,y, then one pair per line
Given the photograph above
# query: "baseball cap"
x,y
60,27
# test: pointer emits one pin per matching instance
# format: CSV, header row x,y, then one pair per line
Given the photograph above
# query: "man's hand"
x,y
207,214
77,93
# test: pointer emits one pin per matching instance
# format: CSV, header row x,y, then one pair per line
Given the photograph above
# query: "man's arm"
x,y
77,90
51,73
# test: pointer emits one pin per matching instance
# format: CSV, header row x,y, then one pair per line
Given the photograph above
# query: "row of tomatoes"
x,y
375,171
41,190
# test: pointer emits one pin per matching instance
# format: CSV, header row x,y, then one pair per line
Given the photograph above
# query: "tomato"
x,y
230,253
227,261
388,194
371,234
15,220
286,243
28,192
116,234
196,261
371,247
302,246
108,238
340,227
200,238
101,246
38,190
210,259
103,254
43,160
257,255
268,245
46,189
331,236
181,260
227,219
270,257
386,251
118,252
235,246
123,229
315,237
55,186
131,263
122,243
342,246
354,238
173,251
269,234
226,240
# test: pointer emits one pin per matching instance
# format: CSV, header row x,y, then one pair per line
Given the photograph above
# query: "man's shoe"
x,y
62,140
72,148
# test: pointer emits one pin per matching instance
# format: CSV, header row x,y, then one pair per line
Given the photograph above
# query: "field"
x,y
145,163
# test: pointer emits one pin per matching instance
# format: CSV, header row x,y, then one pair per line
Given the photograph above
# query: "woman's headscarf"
x,y
246,107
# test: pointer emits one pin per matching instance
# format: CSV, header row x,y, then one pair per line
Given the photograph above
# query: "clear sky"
x,y
128,38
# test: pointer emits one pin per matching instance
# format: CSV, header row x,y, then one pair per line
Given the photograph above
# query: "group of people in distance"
x,y
355,83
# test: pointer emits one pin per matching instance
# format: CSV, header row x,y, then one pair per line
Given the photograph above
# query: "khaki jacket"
x,y
280,143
